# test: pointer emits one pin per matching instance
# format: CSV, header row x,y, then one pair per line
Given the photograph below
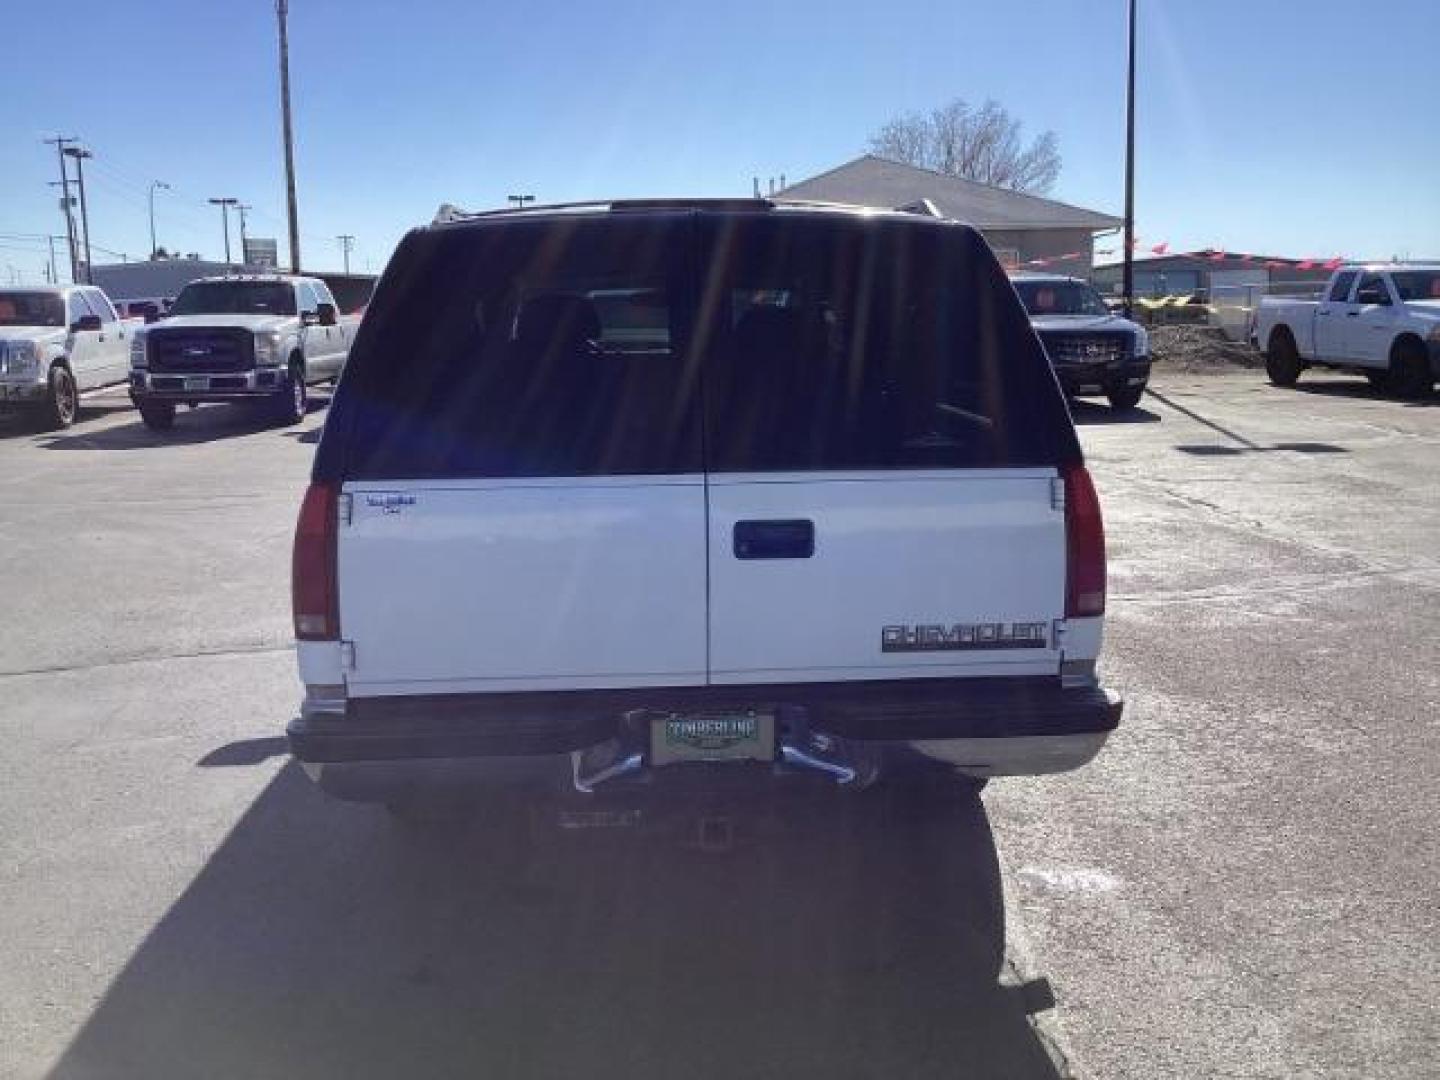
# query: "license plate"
x,y
200,383
712,737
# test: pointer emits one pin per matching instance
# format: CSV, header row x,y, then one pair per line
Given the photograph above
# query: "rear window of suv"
x,y
655,343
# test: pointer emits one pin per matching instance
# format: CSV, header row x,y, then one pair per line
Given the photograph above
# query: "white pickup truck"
x,y
55,343
639,495
1379,321
257,338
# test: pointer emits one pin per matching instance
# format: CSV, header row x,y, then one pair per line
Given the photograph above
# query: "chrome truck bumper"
x,y
206,386
846,736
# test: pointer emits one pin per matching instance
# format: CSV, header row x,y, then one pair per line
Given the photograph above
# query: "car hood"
x,y
31,333
210,322
1082,322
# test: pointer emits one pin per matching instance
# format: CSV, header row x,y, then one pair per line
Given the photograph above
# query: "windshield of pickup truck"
x,y
31,309
1417,284
1060,298
235,298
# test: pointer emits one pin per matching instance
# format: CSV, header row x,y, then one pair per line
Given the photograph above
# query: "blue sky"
x,y
1293,128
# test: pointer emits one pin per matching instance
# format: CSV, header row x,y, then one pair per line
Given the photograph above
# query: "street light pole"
x,y
520,200
153,185
1129,264
60,143
225,203
80,154
282,13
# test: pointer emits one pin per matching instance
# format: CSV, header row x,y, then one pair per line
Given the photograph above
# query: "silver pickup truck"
x,y
258,338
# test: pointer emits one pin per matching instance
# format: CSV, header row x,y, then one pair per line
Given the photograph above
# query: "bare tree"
x,y
983,144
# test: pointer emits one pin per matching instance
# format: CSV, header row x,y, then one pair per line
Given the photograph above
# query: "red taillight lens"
x,y
1084,546
312,582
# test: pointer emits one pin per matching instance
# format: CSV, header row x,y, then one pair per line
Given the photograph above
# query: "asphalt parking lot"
x,y
1244,884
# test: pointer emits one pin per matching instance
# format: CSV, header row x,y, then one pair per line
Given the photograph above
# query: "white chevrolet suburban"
x,y
659,492
1379,321
258,338
55,343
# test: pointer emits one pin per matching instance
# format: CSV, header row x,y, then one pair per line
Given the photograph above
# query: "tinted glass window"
x,y
100,305
322,293
308,299
524,348
1372,290
1417,284
31,309
236,298
1340,291
833,342
1060,298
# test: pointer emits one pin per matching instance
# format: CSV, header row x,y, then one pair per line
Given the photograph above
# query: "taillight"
x,y
312,583
1084,546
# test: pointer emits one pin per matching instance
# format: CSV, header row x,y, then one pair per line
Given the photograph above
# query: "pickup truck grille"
x,y
1088,349
183,350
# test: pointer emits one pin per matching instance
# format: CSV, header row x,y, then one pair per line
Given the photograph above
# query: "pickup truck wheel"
x,y
1282,360
1125,398
158,415
62,401
294,401
1410,374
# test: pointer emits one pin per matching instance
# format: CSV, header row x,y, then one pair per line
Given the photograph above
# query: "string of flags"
x,y
1215,255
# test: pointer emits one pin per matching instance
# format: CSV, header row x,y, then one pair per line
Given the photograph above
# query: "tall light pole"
x,y
520,200
60,143
1129,265
80,154
346,242
164,187
282,13
240,209
225,203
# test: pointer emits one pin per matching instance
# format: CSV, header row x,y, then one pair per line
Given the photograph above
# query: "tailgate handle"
x,y
774,539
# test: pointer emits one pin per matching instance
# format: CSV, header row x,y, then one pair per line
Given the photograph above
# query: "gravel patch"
x,y
1200,350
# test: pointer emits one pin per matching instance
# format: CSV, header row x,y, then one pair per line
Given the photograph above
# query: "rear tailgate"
x,y
922,574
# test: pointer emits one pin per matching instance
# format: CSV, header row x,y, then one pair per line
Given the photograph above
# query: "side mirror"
x,y
85,322
309,318
326,314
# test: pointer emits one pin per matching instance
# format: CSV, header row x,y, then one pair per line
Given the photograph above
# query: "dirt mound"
x,y
1198,349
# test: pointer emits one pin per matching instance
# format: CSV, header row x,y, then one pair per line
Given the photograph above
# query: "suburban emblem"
x,y
390,502
961,637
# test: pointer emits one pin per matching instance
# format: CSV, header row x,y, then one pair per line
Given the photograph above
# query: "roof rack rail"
x,y
450,213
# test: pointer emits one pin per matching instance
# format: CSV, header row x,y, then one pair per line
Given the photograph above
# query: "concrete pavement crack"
x,y
200,654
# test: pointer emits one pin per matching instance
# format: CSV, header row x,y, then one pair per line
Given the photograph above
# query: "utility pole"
x,y
153,185
225,203
60,144
520,200
346,242
282,13
1128,283
80,154
240,209
53,276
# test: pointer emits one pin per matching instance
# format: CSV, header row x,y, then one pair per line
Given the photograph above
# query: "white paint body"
x,y
95,358
556,584
1341,330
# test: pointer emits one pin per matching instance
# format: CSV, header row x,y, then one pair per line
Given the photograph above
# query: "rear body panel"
x,y
455,587
964,551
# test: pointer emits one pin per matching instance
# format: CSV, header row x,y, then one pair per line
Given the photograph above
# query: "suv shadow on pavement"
x,y
1090,413
209,423
322,940
1359,388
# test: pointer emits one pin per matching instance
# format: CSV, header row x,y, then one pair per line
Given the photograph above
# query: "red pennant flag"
x,y
1247,258
1273,264
1160,249
1335,263
1305,264
1217,256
